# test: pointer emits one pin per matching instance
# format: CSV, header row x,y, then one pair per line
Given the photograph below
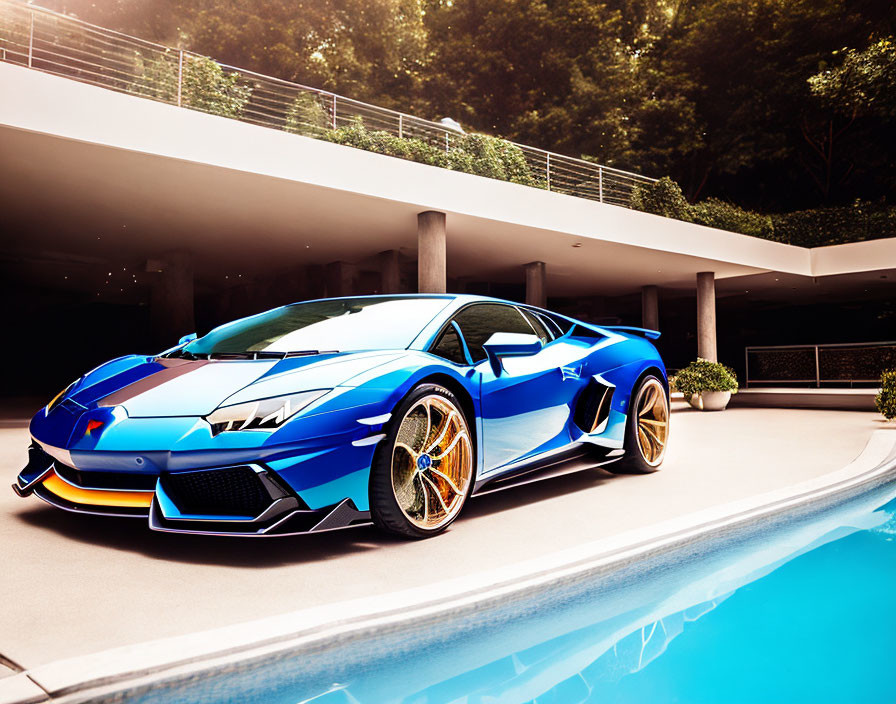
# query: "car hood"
x,y
158,387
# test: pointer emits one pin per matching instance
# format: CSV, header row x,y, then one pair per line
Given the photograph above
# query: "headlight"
x,y
264,414
57,399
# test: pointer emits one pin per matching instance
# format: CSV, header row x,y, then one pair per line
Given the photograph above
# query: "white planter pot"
x,y
710,400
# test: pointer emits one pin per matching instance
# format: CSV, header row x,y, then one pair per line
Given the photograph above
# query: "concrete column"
x,y
431,259
706,316
650,312
171,298
536,293
390,273
339,277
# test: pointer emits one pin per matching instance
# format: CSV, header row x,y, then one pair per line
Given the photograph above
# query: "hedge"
x,y
805,228
823,226
470,153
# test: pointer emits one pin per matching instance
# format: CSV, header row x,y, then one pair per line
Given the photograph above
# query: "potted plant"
x,y
706,385
886,397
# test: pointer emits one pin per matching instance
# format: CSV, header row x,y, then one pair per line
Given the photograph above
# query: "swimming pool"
x,y
794,610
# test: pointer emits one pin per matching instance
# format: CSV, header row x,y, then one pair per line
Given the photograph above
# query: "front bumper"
x,y
243,500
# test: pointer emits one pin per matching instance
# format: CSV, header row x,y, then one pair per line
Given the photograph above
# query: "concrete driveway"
x,y
78,584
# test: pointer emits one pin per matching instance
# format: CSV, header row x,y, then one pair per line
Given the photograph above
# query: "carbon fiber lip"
x,y
342,515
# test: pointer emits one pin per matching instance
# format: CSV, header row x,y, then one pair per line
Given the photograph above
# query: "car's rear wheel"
x,y
422,472
646,429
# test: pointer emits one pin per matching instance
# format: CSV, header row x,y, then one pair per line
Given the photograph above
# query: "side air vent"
x,y
593,407
587,333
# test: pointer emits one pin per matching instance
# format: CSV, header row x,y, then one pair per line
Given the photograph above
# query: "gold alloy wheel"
x,y
653,422
432,462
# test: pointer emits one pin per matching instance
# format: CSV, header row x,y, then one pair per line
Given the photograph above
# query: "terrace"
x,y
64,46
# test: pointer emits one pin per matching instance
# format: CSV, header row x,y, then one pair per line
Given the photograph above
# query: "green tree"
x,y
853,139
555,74
371,50
741,66
863,83
367,49
715,93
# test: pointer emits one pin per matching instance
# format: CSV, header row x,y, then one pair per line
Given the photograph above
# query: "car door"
x,y
525,409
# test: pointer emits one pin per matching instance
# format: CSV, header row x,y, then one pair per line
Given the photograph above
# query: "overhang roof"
x,y
91,171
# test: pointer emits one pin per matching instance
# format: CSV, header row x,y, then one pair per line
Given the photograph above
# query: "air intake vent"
x,y
106,480
593,407
232,491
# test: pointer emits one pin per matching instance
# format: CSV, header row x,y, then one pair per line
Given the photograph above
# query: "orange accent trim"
x,y
96,497
56,398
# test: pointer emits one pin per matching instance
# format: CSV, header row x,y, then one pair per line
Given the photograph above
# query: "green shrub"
x,y
205,85
493,158
515,165
358,136
307,116
485,158
472,153
825,226
727,216
886,397
813,228
703,375
806,228
664,197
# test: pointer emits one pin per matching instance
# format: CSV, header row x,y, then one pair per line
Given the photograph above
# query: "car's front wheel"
x,y
422,472
646,429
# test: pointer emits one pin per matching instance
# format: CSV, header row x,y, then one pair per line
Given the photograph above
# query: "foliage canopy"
x,y
774,106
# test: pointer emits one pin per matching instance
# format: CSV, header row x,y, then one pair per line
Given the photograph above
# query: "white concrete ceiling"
x,y
104,202
110,176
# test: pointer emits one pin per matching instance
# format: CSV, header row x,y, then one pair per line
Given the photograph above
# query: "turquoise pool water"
x,y
818,628
799,612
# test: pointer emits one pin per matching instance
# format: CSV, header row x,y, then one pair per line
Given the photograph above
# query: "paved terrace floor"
x,y
75,584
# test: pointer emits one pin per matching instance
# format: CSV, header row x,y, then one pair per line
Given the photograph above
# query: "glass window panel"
x,y
479,322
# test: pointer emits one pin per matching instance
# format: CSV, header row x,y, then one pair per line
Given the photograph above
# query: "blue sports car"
x,y
340,412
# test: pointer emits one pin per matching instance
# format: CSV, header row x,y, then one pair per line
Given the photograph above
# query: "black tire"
x,y
387,513
637,460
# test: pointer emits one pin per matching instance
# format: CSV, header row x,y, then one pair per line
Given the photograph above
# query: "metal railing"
x,y
65,46
847,363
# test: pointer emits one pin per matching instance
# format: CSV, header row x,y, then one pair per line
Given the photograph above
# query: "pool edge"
x,y
130,667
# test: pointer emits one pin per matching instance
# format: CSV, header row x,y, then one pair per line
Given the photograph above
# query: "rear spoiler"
x,y
643,332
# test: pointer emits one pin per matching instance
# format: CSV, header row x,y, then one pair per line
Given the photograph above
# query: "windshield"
x,y
342,325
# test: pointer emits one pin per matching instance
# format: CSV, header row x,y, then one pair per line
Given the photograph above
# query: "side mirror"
x,y
186,338
510,344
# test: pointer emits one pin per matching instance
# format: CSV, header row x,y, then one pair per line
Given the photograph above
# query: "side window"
x,y
537,325
479,322
555,321
449,346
